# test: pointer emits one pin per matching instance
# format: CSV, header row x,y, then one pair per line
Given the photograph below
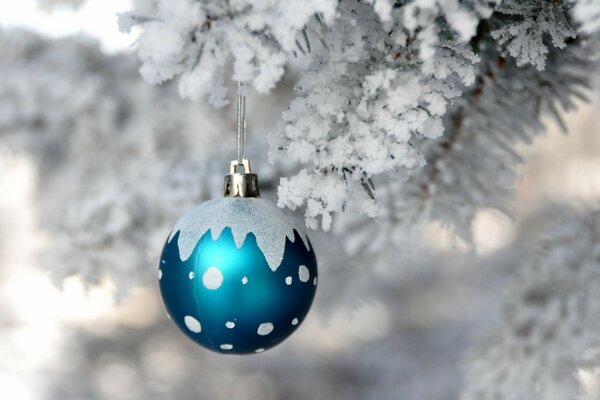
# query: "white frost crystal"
x,y
269,224
391,96
194,40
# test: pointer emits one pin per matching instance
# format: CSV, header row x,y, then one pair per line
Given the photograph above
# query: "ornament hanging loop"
x,y
241,124
243,184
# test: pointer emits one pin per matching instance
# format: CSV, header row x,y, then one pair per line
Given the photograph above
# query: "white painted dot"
x,y
244,280
226,346
288,280
159,274
162,261
212,278
230,324
259,350
265,328
295,321
303,273
191,275
315,281
192,324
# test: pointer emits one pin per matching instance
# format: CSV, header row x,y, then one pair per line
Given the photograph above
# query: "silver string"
x,y
241,125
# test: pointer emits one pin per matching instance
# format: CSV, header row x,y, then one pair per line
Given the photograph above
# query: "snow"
x,y
552,299
359,111
161,47
126,21
259,36
524,39
270,225
156,163
378,81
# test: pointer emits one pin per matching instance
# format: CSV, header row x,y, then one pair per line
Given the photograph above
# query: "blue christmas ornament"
x,y
236,275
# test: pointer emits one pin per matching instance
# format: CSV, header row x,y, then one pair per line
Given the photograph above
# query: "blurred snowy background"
x,y
96,166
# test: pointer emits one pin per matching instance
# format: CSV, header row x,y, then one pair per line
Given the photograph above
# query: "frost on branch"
x,y
418,103
538,25
471,166
422,19
363,101
194,39
549,320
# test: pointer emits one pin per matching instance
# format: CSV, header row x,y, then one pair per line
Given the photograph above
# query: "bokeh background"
x,y
95,167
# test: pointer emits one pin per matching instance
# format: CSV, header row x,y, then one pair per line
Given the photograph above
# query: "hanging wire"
x,y
241,125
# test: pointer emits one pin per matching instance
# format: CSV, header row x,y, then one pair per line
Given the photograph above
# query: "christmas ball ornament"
x,y
237,275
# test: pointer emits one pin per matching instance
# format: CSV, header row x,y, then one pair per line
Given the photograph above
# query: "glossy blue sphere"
x,y
228,298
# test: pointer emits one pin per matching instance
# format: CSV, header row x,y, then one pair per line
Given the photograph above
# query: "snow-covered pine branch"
x,y
102,146
471,165
550,318
417,101
528,27
362,104
195,39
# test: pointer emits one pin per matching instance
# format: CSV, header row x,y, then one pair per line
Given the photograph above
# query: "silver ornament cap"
x,y
240,184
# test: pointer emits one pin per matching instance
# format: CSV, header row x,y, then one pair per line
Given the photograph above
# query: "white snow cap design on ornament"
x,y
269,224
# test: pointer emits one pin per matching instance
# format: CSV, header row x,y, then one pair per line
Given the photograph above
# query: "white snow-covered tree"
x,y
549,318
116,162
419,101
403,112
120,124
411,111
